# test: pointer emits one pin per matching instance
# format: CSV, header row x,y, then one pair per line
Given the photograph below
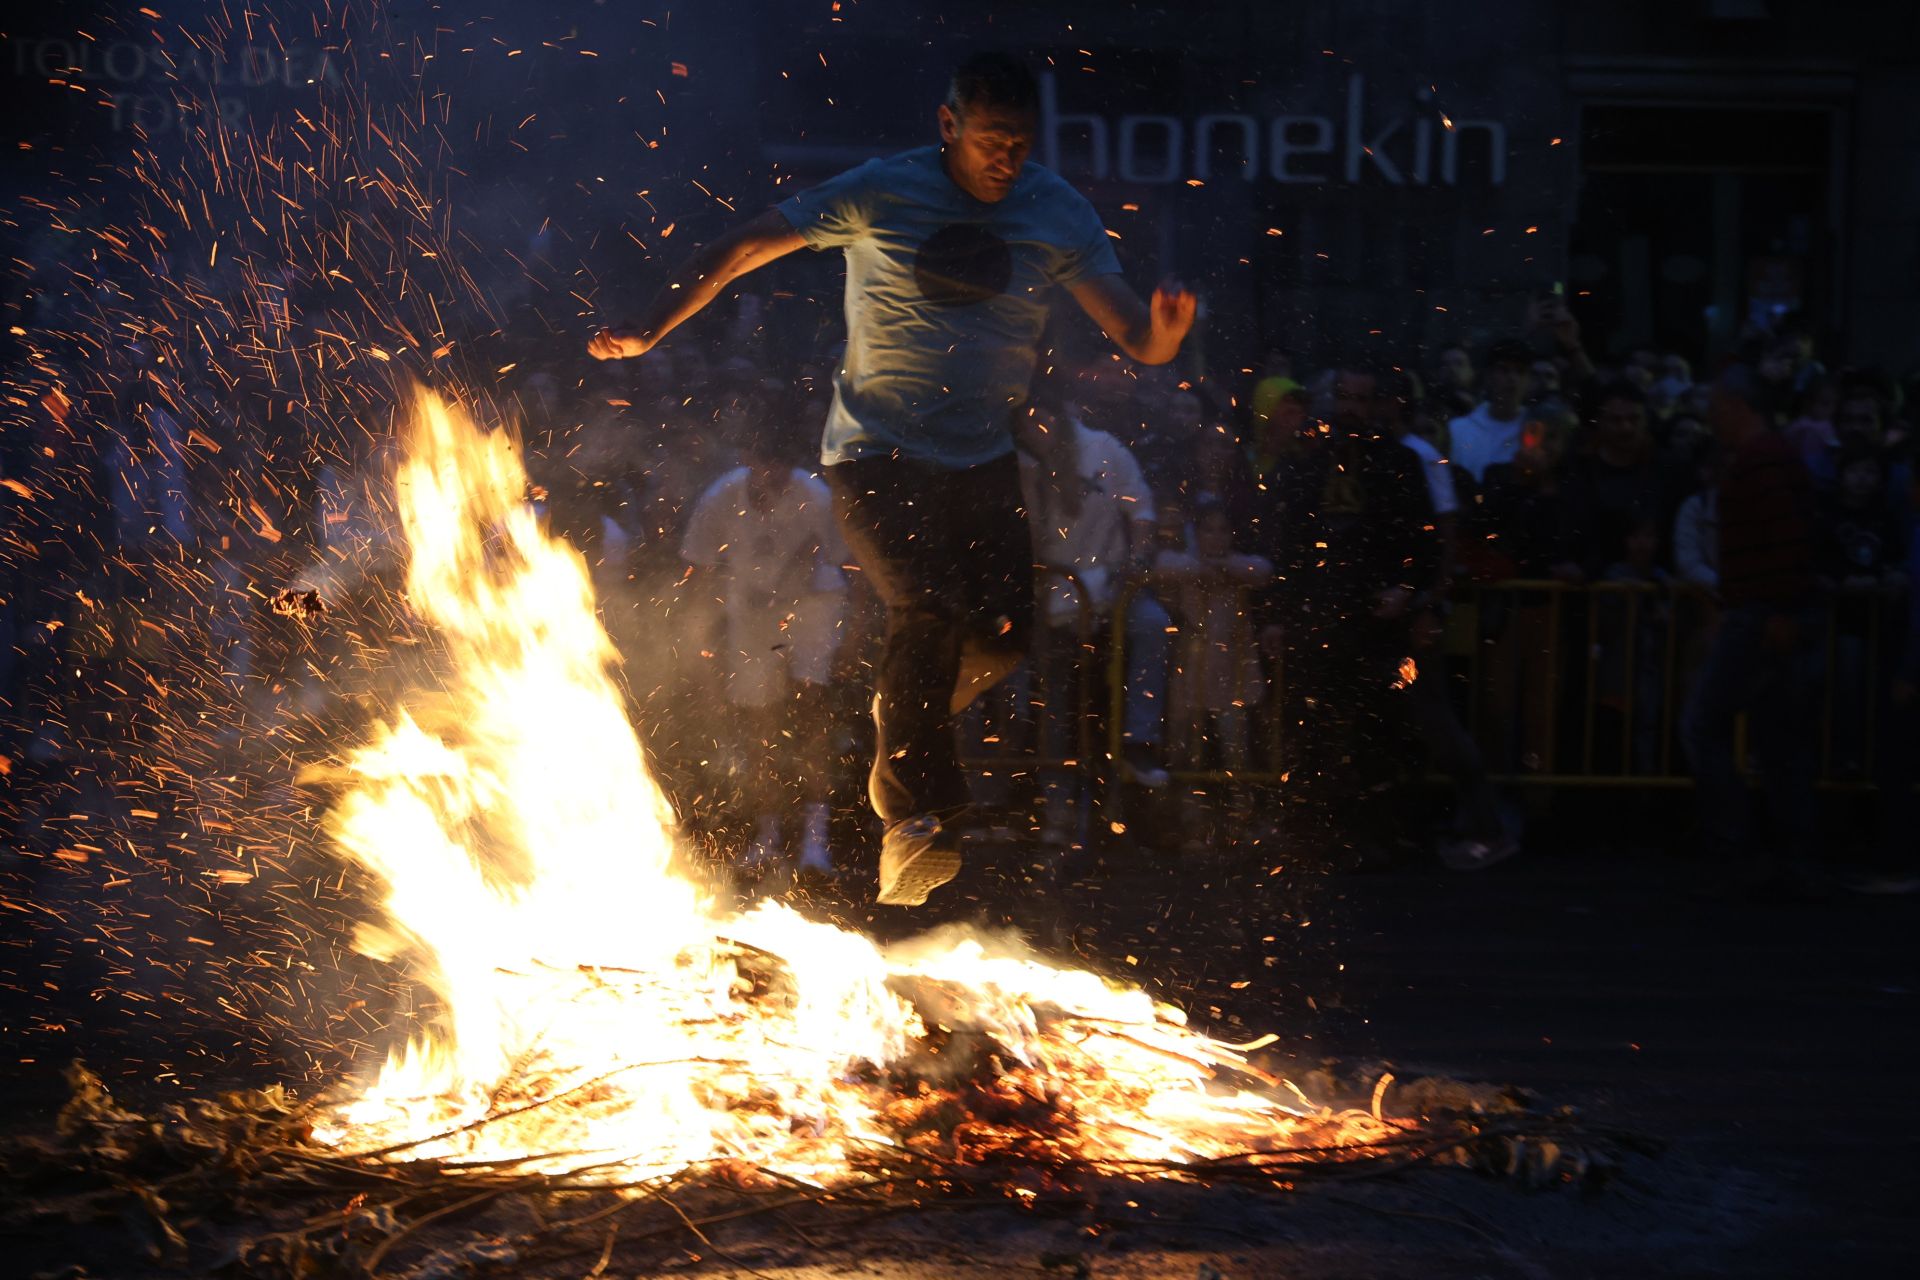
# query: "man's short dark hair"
x,y
994,80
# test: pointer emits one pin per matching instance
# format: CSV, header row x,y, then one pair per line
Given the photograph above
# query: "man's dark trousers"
x,y
949,555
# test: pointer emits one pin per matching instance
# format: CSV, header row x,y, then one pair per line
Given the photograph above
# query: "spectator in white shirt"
x,y
765,537
1221,675
1490,435
1092,515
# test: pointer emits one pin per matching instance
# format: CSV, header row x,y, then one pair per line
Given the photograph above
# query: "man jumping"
x,y
952,252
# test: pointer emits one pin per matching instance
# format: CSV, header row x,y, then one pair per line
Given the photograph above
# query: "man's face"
x,y
1352,401
1457,367
986,148
1213,536
1859,419
1861,480
1621,425
1503,382
1545,379
1776,365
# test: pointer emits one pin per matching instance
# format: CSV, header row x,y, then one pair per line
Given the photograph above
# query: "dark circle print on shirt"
x,y
961,264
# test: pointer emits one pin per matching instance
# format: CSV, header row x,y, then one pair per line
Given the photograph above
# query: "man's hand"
x,y
1552,317
1173,309
615,343
1150,332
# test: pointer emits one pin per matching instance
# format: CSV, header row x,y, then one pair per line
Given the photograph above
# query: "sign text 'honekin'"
x,y
1419,148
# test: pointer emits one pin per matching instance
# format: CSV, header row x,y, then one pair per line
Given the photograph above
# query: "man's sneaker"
x,y
1471,854
815,855
917,856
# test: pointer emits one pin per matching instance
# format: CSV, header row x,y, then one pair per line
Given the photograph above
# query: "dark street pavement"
x,y
1773,1047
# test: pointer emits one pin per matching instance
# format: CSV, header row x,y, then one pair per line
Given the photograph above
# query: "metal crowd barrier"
x,y
1492,624
1237,654
1559,685
1021,751
1641,645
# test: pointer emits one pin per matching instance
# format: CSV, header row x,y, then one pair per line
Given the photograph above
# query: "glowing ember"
x,y
605,1017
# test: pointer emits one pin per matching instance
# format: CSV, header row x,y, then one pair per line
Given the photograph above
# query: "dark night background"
x,y
433,191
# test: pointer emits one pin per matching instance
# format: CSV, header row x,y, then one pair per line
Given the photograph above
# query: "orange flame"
x,y
526,863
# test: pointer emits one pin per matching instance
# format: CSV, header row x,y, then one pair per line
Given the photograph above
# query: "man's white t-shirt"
x,y
1093,545
1479,440
947,298
1439,475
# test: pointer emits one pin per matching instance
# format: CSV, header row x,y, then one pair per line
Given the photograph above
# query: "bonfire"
x,y
602,1010
607,1029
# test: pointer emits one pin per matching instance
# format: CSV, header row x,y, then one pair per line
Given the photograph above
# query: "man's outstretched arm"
x,y
699,281
1149,332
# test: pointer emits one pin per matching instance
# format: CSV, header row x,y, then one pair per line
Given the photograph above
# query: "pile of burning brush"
x,y
618,1061
238,1186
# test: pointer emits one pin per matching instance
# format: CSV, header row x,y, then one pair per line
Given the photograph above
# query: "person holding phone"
x,y
1549,318
1491,434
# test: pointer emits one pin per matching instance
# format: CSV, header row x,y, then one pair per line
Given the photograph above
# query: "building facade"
x,y
1346,175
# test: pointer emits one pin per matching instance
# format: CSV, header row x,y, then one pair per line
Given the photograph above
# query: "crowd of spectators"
x,y
1499,561
1327,578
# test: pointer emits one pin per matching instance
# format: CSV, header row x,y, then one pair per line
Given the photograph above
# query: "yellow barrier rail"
x,y
1642,643
1086,642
